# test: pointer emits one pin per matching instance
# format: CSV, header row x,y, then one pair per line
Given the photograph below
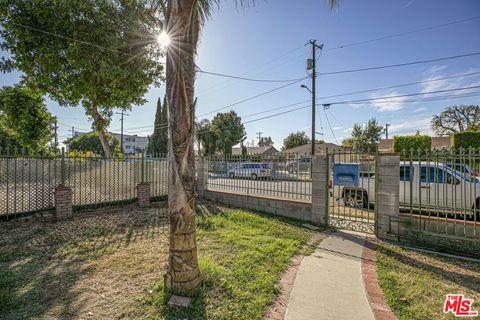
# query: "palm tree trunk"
x,y
183,273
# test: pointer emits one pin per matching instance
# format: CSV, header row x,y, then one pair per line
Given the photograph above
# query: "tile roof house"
x,y
265,151
319,148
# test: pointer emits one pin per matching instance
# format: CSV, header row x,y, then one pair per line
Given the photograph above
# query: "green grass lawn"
x,y
415,283
109,264
242,256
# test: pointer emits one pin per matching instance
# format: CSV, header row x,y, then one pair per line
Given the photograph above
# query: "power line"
x,y
244,78
361,100
372,99
274,109
329,125
400,64
256,68
277,114
403,95
136,56
455,96
400,34
308,106
402,85
350,93
253,97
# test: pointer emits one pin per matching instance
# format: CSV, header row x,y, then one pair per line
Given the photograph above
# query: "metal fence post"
x,y
62,168
143,168
327,186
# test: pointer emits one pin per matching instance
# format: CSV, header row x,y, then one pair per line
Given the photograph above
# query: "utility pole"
x,y
55,137
313,61
386,130
259,136
73,131
121,128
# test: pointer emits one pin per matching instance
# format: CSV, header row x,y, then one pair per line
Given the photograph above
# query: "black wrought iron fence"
x,y
281,175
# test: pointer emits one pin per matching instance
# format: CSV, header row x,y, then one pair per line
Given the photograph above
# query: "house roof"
x,y
306,148
253,150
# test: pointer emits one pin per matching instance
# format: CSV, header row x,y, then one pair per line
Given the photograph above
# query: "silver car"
x,y
250,170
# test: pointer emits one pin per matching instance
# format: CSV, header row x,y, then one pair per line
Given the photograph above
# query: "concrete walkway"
x,y
329,283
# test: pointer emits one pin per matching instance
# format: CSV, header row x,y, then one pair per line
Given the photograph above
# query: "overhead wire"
x,y
400,34
400,64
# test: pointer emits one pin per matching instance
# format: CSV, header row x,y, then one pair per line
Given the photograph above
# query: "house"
x,y
131,143
320,148
438,143
264,151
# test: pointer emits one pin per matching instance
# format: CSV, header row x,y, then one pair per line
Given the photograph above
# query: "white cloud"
x,y
410,126
337,128
438,72
421,109
392,104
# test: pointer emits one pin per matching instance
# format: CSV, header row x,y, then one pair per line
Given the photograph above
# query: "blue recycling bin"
x,y
346,174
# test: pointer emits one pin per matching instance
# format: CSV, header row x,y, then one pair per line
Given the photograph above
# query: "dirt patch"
x,y
97,265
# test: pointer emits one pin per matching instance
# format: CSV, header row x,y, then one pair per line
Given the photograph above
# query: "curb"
x,y
375,296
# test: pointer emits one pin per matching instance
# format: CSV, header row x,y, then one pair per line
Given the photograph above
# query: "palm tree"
x,y
183,20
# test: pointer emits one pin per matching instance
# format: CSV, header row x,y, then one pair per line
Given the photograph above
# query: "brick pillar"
x,y
202,176
63,202
387,197
143,194
319,189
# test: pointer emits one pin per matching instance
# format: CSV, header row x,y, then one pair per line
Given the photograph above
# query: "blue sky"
x,y
267,41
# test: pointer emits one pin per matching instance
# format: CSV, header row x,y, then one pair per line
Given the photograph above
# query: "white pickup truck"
x,y
423,185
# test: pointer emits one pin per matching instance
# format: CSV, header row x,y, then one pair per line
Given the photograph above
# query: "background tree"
x,y
158,142
97,53
228,130
457,119
90,142
24,119
364,138
206,137
295,139
265,142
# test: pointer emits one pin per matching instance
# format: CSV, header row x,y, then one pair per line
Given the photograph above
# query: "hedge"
x,y
407,143
466,140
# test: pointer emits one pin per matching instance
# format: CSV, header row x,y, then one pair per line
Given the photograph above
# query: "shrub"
x,y
407,143
90,142
466,140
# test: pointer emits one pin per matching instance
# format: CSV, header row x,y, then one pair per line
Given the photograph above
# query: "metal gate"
x,y
352,196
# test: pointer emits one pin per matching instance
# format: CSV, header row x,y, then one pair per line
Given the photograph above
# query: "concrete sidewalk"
x,y
329,283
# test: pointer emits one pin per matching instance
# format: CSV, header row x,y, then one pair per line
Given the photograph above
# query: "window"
x,y
405,172
435,175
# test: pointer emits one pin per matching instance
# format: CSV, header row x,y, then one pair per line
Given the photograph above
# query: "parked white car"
x,y
424,185
250,170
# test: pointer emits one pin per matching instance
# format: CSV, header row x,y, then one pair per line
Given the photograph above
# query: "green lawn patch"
x,y
242,256
109,264
415,283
